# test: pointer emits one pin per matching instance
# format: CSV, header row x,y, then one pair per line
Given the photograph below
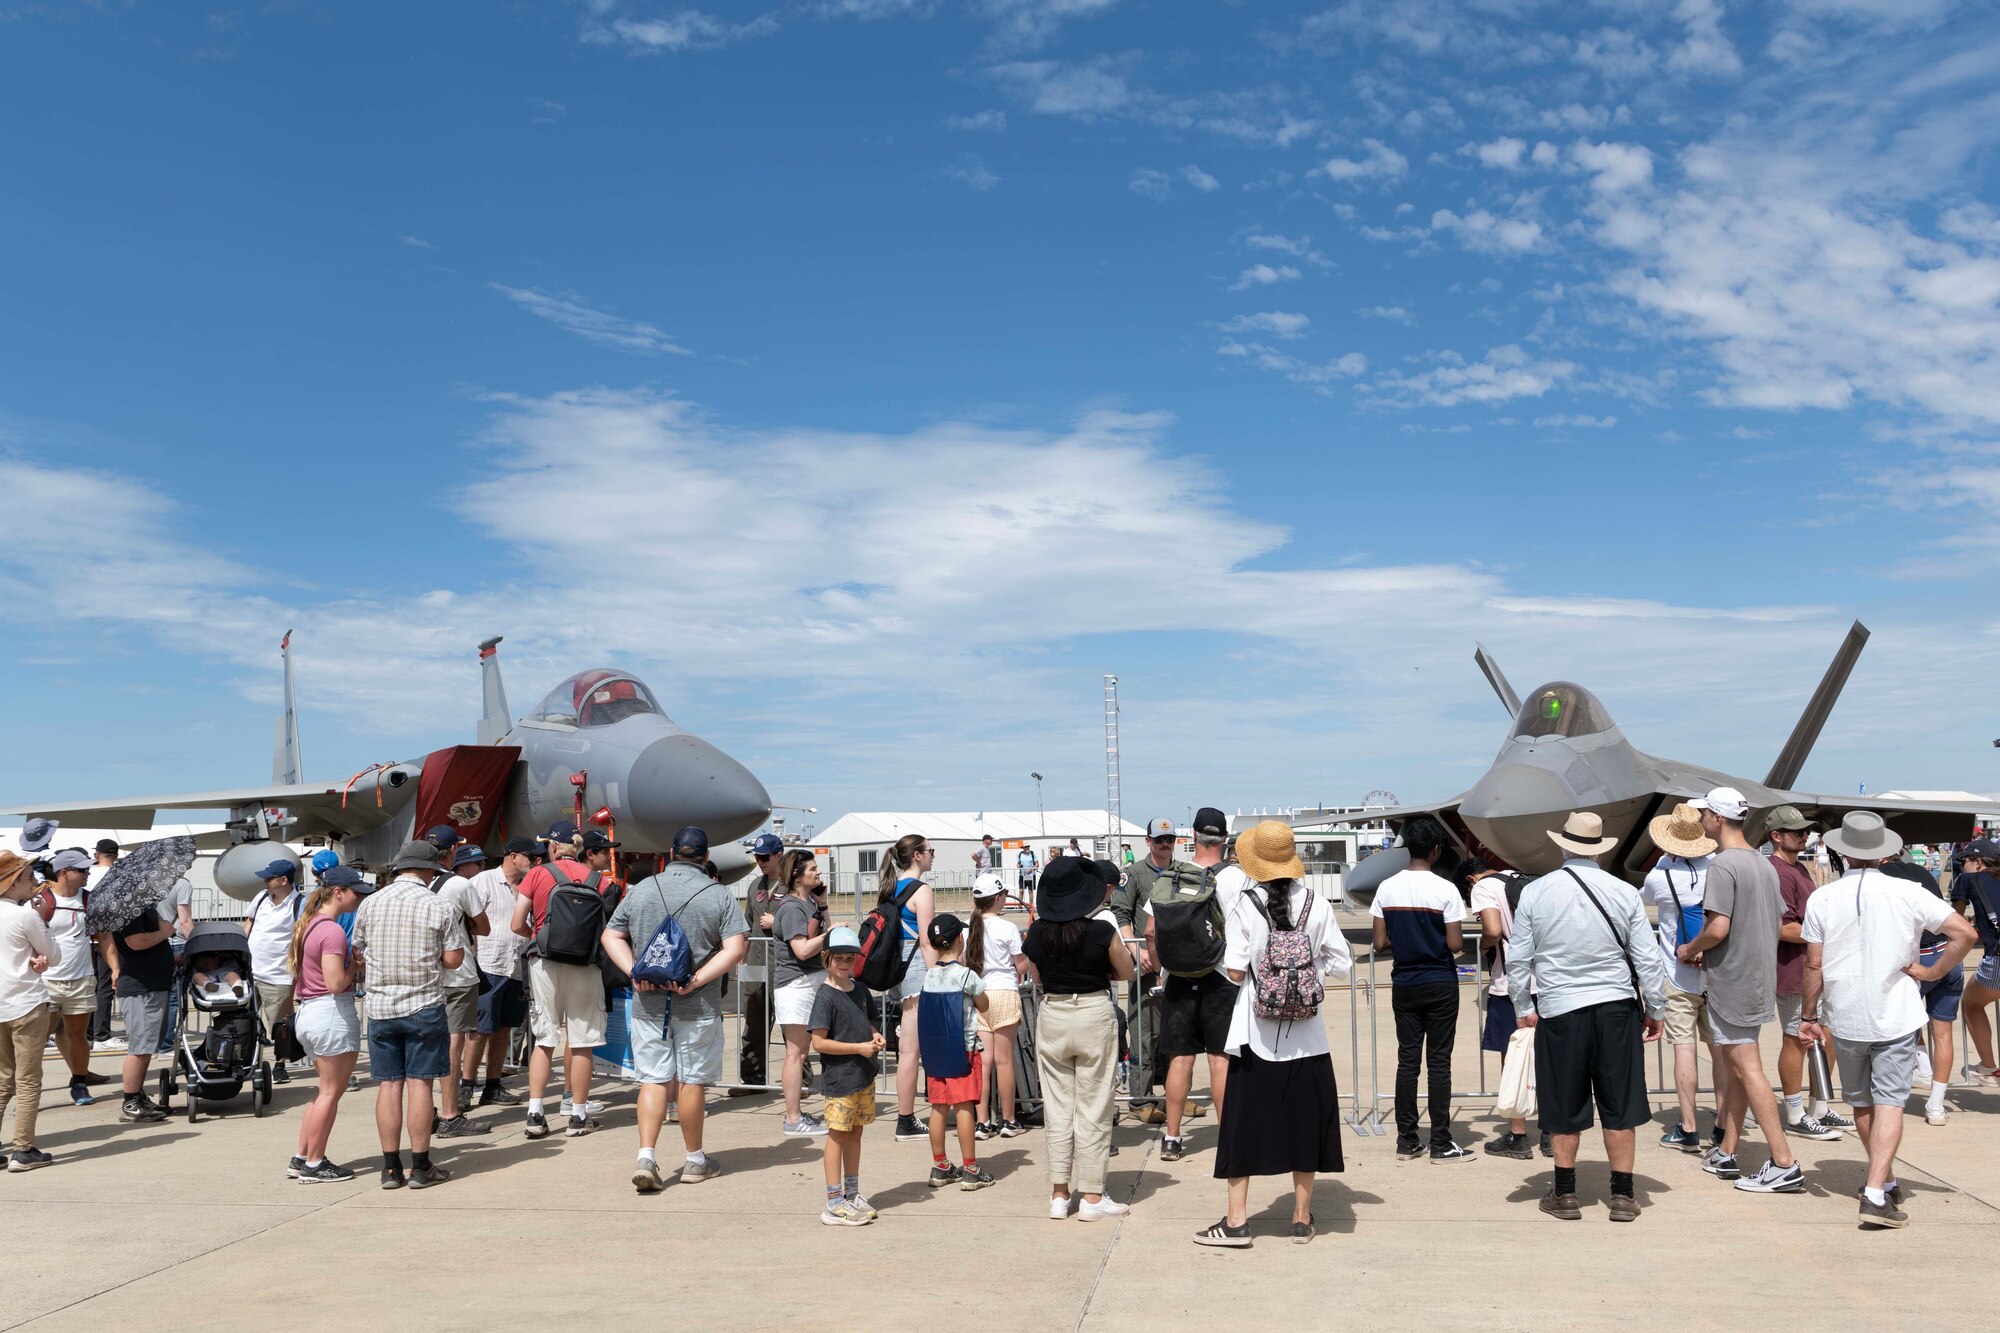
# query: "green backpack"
x,y
1187,920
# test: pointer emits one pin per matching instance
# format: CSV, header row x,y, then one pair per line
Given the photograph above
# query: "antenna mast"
x,y
1111,805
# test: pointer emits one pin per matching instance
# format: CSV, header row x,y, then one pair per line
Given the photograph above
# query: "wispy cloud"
x,y
1156,184
1395,314
991,121
682,30
1264,275
1377,162
972,173
1571,421
1504,373
1277,323
568,312
417,242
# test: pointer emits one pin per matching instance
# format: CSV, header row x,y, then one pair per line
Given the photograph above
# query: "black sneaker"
x,y
1302,1232
985,1130
326,1173
1451,1152
1172,1150
294,1167
1685,1140
140,1111
975,1178
907,1129
423,1177
79,1092
393,1180
458,1127
280,1074
942,1176
538,1125
1510,1145
1225,1236
1408,1150
495,1095
580,1125
1548,1148
1012,1129
28,1159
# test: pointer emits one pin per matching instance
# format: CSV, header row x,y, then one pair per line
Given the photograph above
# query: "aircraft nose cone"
x,y
682,780
1514,790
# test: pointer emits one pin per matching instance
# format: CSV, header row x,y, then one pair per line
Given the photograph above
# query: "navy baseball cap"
x,y
467,854
342,877
522,847
767,844
597,840
691,842
444,837
278,868
563,830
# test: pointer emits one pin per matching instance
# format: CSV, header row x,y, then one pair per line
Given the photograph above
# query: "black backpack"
x,y
573,924
1187,920
883,965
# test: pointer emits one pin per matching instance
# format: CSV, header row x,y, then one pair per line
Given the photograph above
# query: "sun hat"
x,y
1583,834
12,868
1109,871
843,940
1728,802
1863,836
466,853
1678,832
1268,852
38,833
421,854
1789,818
988,885
1070,890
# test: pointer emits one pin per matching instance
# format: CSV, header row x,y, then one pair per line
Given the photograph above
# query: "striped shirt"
x,y
401,932
1416,906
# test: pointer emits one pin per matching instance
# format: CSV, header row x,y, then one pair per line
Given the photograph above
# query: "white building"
x,y
852,846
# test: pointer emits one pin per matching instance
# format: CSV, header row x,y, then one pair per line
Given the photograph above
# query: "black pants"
x,y
100,1022
756,1034
1426,1023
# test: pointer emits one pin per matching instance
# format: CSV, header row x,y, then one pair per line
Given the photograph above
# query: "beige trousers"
x,y
21,1072
1076,1052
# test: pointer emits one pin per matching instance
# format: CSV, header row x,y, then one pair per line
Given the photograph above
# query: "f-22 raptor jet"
x,y
1564,753
599,742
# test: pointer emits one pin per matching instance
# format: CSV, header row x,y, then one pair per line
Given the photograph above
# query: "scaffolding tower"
x,y
1113,821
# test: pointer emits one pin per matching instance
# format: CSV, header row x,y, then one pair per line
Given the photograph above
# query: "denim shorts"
x,y
327,1025
410,1046
1988,974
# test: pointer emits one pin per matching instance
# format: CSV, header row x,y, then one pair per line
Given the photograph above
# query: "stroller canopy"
x,y
223,937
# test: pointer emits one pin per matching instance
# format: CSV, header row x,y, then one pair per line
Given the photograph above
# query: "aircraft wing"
x,y
1392,816
322,811
1917,819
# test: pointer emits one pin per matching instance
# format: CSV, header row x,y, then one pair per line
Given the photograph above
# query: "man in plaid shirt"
x,y
408,938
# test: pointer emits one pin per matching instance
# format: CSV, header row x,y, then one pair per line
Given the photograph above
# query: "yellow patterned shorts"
x,y
853,1111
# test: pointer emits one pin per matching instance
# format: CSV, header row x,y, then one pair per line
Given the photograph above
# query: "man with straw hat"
x,y
1863,936
1737,950
1597,989
1674,886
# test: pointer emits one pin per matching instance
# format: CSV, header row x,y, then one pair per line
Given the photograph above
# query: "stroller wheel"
x,y
166,1087
194,1104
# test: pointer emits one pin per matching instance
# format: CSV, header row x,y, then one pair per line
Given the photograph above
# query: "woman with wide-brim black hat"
x,y
1074,959
1283,1112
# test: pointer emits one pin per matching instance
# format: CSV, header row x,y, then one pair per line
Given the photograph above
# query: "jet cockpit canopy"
x,y
596,698
1561,708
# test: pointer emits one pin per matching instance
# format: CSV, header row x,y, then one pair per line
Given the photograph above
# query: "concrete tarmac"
x,y
158,1226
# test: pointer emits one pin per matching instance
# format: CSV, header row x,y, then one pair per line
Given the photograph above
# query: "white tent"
x,y
854,843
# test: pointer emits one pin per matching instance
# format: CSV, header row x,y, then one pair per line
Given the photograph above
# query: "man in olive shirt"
x,y
759,902
1125,900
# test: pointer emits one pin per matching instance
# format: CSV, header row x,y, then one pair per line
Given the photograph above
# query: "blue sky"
x,y
871,377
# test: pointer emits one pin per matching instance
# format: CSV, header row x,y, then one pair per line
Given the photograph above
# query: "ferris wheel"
x,y
1380,799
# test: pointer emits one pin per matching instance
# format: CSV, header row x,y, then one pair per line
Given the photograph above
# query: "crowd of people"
x,y
1231,949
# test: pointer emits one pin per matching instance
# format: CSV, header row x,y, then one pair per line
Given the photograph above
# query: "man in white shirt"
x,y
71,977
1863,934
273,914
461,985
503,986
1674,886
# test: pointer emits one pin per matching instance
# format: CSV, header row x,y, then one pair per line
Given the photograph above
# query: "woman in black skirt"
x,y
1282,1115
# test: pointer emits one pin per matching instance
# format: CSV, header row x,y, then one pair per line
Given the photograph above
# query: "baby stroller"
x,y
225,1052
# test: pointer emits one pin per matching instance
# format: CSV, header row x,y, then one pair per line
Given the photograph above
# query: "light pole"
x,y
1040,814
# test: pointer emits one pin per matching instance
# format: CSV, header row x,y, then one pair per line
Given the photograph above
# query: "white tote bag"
x,y
1516,1098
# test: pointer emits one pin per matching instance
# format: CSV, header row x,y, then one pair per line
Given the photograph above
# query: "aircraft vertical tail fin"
x,y
1785,771
497,720
287,768
1497,680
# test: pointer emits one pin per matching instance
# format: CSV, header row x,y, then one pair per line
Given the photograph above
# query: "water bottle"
x,y
1819,1078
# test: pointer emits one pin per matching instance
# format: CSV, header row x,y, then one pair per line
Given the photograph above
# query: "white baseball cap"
x,y
988,885
1725,801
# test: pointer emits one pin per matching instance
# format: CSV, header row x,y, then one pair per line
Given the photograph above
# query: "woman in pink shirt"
x,y
326,1024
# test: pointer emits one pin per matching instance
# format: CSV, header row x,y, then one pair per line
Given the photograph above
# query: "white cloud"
x,y
1504,153
1546,154
987,122
1054,88
1395,314
567,311
684,30
972,173
1156,184
1299,247
1027,25
417,242
1705,49
1614,166
1567,421
1481,231
1277,323
1505,372
1379,162
1263,275
1200,179
1320,375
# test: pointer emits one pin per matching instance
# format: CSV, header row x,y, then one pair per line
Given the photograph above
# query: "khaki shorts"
x,y
853,1111
461,1009
275,1003
1687,1019
568,1003
73,997
1003,1010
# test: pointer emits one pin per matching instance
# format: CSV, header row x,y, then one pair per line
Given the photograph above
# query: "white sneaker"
x,y
1775,1179
1921,1083
1106,1206
108,1044
590,1107
1059,1208
1934,1115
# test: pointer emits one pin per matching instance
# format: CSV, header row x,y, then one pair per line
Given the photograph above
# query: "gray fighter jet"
x,y
1564,753
598,742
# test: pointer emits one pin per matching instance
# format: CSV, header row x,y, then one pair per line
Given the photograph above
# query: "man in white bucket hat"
x,y
1864,934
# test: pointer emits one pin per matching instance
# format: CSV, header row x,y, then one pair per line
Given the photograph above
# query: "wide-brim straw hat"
x,y
1863,836
1268,852
1583,834
12,868
1678,832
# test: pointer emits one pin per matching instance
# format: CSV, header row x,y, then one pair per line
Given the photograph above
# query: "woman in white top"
x,y
993,943
1283,1112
